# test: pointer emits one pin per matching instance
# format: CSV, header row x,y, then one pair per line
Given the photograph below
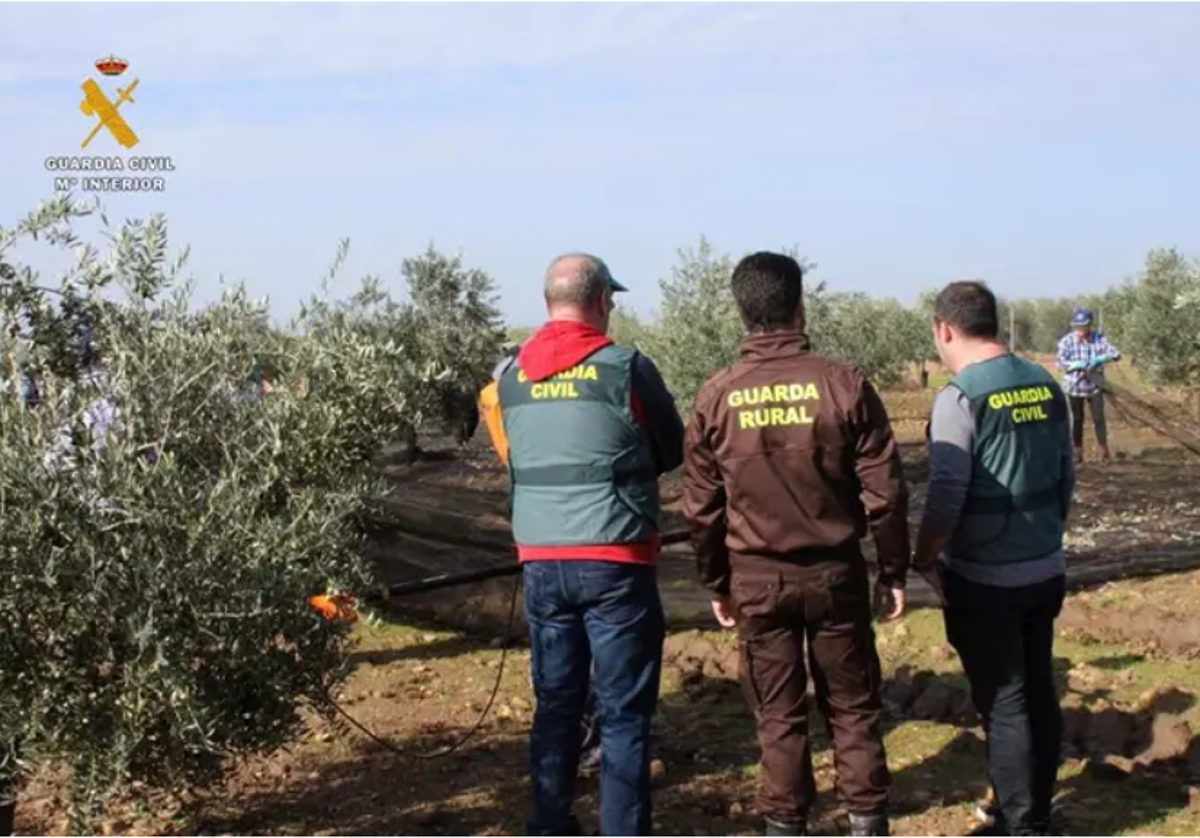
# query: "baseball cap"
x,y
613,285
1081,316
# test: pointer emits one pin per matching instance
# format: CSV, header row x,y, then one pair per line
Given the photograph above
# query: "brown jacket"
x,y
789,456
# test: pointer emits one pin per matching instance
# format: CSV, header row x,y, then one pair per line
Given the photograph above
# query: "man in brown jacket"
x,y
789,457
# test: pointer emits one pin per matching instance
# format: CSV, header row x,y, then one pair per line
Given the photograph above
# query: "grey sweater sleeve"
x,y
502,367
952,437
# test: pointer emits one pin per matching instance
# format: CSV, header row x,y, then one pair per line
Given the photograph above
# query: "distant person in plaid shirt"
x,y
1082,354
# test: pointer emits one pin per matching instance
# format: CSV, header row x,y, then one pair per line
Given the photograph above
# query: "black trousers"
x,y
1005,638
1096,403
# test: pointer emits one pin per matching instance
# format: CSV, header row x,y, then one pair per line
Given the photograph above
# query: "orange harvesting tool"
x,y
334,607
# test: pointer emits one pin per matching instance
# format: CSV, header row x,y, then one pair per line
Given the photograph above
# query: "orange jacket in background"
x,y
493,418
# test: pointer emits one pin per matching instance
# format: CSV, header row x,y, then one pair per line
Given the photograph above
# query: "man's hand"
x,y
933,577
722,608
1077,366
890,602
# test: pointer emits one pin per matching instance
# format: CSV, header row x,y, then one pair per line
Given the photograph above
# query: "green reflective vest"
x,y
1013,510
582,472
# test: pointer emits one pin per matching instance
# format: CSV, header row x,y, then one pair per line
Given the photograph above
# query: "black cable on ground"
x,y
445,581
494,571
470,734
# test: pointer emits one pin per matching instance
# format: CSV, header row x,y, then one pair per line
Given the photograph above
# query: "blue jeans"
x,y
601,622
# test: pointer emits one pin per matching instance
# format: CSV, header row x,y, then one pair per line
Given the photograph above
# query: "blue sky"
x,y
1044,147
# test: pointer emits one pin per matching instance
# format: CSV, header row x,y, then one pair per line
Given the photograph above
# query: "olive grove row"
x,y
1154,317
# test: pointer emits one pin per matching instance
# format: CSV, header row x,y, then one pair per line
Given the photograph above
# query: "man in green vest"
x,y
590,428
991,544
589,759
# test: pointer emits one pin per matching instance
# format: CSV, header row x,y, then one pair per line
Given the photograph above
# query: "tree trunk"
x,y
412,450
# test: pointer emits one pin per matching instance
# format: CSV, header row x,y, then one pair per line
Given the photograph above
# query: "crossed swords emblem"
x,y
96,103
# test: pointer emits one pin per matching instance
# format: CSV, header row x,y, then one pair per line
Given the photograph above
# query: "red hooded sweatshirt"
x,y
558,346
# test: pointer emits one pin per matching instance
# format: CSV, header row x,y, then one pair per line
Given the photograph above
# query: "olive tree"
x,y
698,328
454,324
1161,328
154,616
880,337
1188,304
627,329
448,330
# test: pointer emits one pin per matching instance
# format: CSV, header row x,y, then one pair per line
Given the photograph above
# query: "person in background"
x,y
509,351
100,416
789,458
462,415
255,388
490,410
1082,355
31,396
991,545
589,428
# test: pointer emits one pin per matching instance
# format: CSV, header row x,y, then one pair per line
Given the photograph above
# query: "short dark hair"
x,y
768,288
969,307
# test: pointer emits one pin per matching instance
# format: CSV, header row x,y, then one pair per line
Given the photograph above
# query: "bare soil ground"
x,y
1126,657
